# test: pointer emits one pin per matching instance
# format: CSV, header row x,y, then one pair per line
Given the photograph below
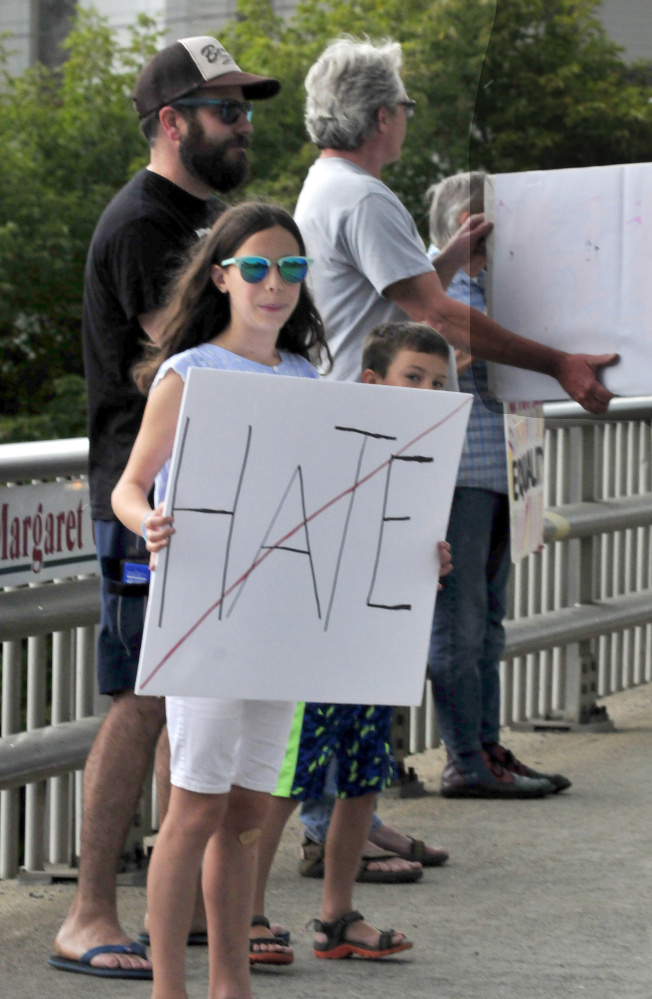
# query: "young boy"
x,y
416,356
411,355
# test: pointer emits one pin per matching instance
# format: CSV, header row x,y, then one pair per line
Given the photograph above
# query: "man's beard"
x,y
208,161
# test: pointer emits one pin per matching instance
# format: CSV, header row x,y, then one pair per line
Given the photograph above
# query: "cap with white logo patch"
x,y
192,63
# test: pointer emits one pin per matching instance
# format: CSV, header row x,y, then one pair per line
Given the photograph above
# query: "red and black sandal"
x,y
285,956
338,947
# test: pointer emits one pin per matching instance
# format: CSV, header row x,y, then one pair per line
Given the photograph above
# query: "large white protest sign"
x,y
304,564
569,264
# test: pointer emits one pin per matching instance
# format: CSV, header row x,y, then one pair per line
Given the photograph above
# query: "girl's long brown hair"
x,y
196,311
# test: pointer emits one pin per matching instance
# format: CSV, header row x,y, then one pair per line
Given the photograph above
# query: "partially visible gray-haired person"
x,y
468,636
450,198
345,88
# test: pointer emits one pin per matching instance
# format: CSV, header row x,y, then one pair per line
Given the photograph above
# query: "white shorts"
x,y
215,743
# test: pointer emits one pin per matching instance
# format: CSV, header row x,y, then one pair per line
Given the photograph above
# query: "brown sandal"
x,y
417,852
311,865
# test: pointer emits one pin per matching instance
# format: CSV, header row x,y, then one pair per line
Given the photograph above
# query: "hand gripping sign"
x,y
304,564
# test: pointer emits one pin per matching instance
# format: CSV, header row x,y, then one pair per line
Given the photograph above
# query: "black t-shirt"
x,y
139,240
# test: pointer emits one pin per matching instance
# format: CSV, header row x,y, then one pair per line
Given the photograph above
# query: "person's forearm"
x,y
477,334
446,266
424,301
130,505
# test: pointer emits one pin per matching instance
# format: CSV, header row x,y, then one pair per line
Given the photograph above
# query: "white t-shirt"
x,y
362,239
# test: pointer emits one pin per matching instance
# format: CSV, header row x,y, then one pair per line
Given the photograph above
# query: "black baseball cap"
x,y
189,64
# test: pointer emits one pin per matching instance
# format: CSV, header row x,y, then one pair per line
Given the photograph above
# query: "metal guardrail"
x,y
46,752
579,626
43,610
580,622
42,459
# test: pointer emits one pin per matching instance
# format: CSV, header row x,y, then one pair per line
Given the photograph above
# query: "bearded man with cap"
x,y
194,106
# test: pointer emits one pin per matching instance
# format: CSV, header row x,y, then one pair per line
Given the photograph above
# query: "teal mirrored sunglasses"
x,y
255,269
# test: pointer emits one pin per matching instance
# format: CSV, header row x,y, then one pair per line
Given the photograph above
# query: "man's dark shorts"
x,y
123,607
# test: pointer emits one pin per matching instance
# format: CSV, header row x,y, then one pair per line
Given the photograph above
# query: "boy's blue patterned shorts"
x,y
357,734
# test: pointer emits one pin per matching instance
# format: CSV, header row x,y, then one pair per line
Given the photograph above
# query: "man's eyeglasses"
x,y
255,269
409,107
230,109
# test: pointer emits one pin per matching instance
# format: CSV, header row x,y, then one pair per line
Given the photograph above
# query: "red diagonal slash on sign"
x,y
312,516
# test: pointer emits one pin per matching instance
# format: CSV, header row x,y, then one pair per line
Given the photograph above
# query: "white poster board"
x,y
304,564
569,261
525,439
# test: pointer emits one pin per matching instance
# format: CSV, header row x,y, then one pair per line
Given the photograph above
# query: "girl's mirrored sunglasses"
x,y
230,109
255,269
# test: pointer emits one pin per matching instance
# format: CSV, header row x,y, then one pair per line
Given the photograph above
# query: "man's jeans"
x,y
468,637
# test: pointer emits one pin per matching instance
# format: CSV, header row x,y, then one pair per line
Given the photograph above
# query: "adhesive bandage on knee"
x,y
249,836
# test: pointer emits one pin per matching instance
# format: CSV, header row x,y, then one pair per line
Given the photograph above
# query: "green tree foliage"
x,y
554,92
443,47
69,140
63,415
500,84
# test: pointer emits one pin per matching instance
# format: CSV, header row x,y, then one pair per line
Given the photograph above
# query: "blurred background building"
x,y
629,23
37,27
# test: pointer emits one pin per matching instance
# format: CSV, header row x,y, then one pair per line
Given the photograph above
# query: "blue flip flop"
x,y
84,967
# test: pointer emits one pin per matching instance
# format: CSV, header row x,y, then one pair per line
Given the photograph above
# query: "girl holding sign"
x,y
240,304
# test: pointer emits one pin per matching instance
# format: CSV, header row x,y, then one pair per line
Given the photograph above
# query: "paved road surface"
x,y
539,900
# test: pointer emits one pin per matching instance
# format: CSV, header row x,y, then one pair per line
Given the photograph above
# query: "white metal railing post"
x,y
558,489
516,708
606,552
641,485
581,667
644,564
60,846
433,737
84,693
35,793
10,723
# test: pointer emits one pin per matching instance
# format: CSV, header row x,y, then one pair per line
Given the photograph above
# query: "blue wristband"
x,y
142,526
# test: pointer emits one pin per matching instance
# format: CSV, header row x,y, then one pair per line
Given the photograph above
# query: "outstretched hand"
x,y
158,530
578,375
